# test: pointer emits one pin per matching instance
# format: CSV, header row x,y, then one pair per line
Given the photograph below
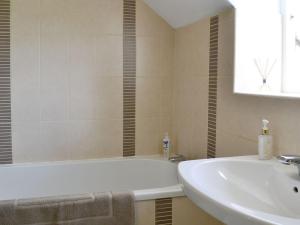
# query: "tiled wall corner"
x,y
155,44
190,89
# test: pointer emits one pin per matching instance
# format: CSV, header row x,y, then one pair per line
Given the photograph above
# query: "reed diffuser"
x,y
265,68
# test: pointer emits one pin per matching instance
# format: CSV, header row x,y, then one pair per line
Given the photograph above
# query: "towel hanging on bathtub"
x,y
87,209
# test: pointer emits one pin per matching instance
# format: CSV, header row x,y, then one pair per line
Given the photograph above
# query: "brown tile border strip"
x,y
212,87
129,76
5,100
163,211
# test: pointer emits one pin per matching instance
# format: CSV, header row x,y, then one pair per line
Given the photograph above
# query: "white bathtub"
x,y
148,178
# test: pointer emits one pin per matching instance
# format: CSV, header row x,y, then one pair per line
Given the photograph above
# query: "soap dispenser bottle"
x,y
166,146
265,142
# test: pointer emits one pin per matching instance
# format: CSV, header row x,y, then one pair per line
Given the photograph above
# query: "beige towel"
x,y
88,209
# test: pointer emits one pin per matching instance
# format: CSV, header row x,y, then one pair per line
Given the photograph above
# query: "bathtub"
x,y
148,178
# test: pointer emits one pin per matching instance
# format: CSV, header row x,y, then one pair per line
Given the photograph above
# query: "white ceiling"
x,y
179,13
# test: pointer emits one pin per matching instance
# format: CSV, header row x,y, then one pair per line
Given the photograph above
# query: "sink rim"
x,y
225,209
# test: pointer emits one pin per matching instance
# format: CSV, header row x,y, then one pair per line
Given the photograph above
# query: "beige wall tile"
x,y
234,145
67,77
95,18
148,139
148,96
167,53
109,55
54,142
54,103
82,55
148,57
111,19
95,139
25,79
83,78
26,142
53,17
145,213
155,48
25,105
147,21
82,16
110,140
54,64
82,138
191,49
166,96
190,89
39,141
226,43
189,117
25,17
186,212
109,102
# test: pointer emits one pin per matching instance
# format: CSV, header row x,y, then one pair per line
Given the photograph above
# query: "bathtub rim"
x,y
139,195
91,160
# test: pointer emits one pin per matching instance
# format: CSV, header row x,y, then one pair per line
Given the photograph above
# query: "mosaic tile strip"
x,y
129,77
212,87
5,99
163,211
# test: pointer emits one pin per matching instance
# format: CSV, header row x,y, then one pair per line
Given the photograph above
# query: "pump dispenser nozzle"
x,y
265,129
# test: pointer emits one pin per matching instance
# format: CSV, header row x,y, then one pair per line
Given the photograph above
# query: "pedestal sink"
x,y
243,190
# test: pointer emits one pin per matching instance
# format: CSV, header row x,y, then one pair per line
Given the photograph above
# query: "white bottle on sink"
x,y
265,142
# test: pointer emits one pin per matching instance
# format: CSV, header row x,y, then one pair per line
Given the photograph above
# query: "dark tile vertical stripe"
x,y
5,101
212,87
129,76
163,211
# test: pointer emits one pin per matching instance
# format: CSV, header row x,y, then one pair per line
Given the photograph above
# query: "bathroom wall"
x,y
67,85
67,79
238,116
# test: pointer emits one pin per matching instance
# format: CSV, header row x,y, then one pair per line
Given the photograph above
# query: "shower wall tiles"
x,y
155,44
190,89
67,79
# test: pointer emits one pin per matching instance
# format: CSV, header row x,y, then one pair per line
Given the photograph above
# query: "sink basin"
x,y
243,190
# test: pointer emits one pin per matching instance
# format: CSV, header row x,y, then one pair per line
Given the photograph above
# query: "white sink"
x,y
243,190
